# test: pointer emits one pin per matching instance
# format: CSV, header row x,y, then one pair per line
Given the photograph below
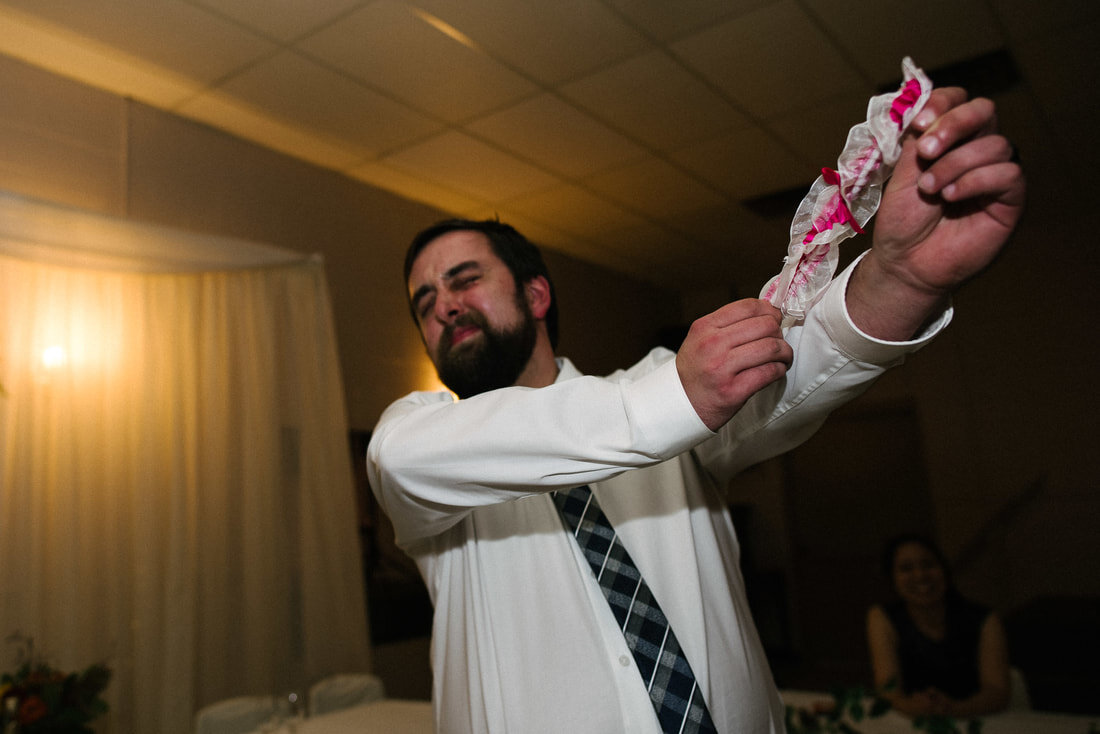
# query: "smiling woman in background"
x,y
934,652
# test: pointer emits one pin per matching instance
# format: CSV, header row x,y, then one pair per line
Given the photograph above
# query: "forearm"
x,y
835,361
430,461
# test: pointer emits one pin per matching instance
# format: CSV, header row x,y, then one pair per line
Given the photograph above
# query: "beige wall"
x,y
64,142
1004,398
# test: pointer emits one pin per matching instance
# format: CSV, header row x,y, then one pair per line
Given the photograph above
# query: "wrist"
x,y
884,301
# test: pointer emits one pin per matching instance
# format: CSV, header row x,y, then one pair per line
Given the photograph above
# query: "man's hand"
x,y
954,198
729,355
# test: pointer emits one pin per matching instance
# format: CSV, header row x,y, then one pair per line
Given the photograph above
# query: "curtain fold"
x,y
175,487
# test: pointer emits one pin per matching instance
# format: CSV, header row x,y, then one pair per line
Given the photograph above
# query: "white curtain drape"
x,y
175,486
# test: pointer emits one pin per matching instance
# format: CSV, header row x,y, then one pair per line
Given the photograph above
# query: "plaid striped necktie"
x,y
664,668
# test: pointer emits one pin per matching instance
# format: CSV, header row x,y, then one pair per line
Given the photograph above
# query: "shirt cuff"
x,y
860,346
662,413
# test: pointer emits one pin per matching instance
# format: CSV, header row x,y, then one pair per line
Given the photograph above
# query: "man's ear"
x,y
537,292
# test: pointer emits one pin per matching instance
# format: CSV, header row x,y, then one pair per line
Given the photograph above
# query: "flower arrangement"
x,y
40,699
850,706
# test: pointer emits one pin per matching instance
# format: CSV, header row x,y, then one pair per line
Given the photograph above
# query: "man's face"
x,y
476,324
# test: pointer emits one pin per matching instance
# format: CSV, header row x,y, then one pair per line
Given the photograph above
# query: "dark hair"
x,y
522,258
895,543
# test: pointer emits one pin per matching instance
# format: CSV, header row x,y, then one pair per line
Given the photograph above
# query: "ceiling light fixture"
x,y
446,29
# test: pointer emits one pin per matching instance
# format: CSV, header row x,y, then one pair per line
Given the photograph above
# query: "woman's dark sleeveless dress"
x,y
950,664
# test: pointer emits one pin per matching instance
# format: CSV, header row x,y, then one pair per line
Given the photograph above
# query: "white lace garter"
x,y
841,202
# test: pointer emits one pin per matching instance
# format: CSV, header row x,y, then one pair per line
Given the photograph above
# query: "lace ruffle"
x,y
840,202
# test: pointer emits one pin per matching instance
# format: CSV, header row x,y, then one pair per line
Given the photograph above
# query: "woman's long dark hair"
x,y
890,552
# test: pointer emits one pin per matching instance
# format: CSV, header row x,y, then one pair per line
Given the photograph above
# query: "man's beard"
x,y
498,360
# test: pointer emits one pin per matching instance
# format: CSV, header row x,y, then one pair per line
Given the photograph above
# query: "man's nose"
x,y
448,306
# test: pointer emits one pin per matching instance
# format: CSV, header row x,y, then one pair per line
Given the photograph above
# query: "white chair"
x,y
343,690
235,715
1018,698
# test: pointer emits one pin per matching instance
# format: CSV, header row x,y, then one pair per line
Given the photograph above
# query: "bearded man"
x,y
560,520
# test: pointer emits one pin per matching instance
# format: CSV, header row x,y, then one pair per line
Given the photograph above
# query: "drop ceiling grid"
x,y
670,112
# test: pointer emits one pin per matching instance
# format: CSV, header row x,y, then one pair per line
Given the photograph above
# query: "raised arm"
x,y
428,457
954,199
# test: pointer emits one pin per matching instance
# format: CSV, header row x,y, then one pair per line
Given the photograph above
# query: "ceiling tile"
x,y
656,100
462,163
389,47
181,38
99,65
933,32
557,136
745,258
548,41
1071,124
655,187
770,61
654,243
1045,62
681,78
284,20
413,187
818,134
1027,19
576,211
298,91
537,232
733,232
669,20
746,163
657,255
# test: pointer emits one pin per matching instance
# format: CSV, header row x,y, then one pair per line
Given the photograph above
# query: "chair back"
x,y
1018,698
343,690
239,715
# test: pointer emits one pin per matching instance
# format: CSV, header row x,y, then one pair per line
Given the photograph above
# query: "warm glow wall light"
x,y
54,357
429,379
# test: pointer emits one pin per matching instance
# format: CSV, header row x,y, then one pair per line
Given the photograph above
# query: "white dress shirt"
x,y
523,639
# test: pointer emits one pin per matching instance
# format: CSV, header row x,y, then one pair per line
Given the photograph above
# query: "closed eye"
x,y
460,277
465,281
424,306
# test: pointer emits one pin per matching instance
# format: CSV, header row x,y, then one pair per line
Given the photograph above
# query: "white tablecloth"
x,y
396,716
1008,722
386,716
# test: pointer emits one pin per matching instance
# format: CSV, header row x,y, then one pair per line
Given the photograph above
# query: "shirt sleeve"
x,y
432,459
834,362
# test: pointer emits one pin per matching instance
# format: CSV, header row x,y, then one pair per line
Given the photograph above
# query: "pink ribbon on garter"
x,y
839,213
865,164
907,97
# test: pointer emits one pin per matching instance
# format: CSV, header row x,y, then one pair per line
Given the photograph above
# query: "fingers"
x,y
731,354
964,171
1001,181
739,336
939,103
948,120
739,311
721,351
954,127
964,157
